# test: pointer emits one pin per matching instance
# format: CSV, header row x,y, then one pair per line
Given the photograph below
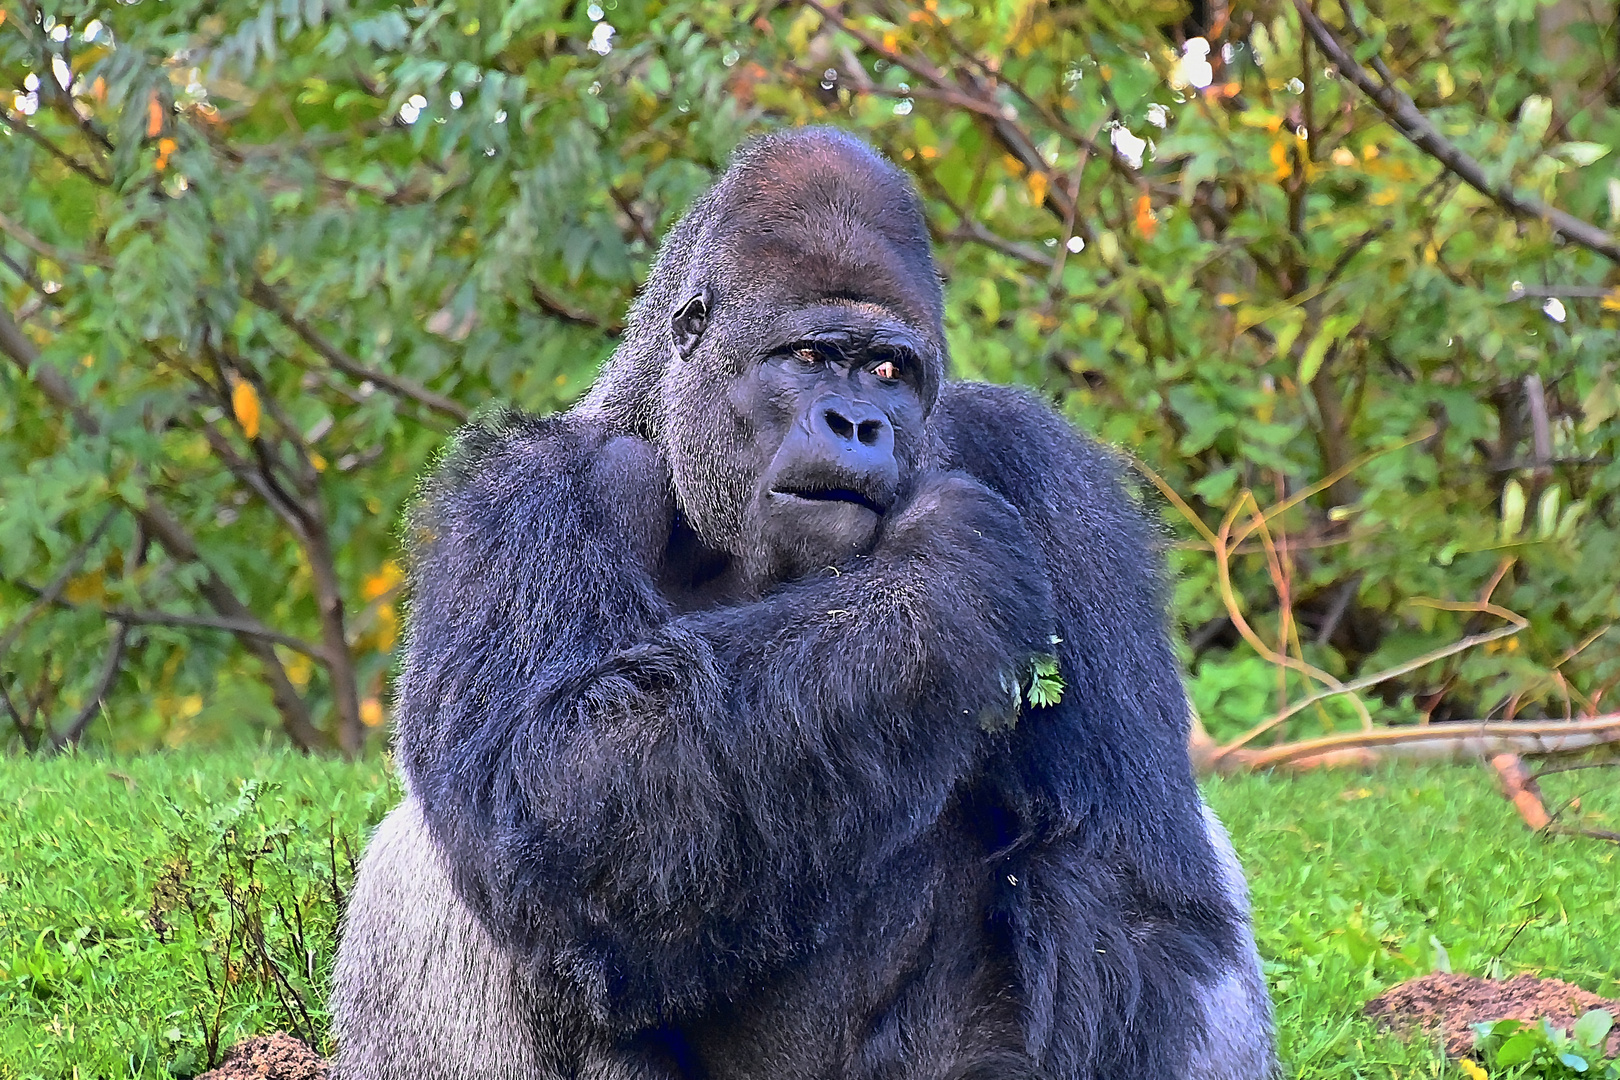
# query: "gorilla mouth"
x,y
830,495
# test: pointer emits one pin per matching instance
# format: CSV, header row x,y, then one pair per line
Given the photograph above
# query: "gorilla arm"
x,y
652,808
1134,915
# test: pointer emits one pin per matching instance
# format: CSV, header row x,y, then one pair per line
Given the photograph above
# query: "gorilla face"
x,y
804,352
836,412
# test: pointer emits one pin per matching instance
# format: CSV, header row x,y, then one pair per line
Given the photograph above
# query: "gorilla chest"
x,y
915,980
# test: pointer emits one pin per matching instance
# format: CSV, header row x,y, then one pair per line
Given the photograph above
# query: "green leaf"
x,y
1513,507
1333,329
1046,682
1593,1027
1534,116
1547,512
1583,153
1518,1049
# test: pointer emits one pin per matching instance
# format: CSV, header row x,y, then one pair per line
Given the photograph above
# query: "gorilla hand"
x,y
998,582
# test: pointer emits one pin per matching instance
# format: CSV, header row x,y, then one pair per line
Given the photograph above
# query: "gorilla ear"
x,y
689,323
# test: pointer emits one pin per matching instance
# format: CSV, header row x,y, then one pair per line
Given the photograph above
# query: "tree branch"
x,y
49,594
1405,116
71,735
174,538
267,298
27,131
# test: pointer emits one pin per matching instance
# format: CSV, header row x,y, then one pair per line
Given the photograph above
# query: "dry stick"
x,y
1513,736
1223,575
267,298
174,538
1366,681
1405,116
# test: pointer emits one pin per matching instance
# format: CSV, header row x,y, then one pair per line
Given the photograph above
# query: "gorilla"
x,y
721,751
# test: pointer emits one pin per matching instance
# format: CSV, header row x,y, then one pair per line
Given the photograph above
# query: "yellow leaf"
x,y
1279,159
1037,188
1611,300
1014,166
891,41
1384,197
386,578
245,404
371,712
1227,299
387,627
1342,157
318,462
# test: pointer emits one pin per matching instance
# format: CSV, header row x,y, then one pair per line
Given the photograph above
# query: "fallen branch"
x,y
1450,740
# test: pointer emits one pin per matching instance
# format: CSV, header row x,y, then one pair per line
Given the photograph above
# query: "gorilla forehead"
x,y
814,214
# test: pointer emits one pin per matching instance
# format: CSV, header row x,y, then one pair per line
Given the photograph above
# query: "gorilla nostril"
x,y
839,423
869,432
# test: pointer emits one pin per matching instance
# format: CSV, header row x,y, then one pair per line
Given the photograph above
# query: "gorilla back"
x,y
713,717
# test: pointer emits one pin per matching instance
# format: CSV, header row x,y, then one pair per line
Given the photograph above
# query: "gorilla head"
x,y
785,354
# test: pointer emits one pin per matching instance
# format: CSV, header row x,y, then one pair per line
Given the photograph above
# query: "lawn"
x,y
153,910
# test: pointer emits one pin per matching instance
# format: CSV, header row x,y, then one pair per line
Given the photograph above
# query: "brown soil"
x,y
270,1057
1453,1003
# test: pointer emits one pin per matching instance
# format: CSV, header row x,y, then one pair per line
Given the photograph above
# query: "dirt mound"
x,y
270,1057
1453,1003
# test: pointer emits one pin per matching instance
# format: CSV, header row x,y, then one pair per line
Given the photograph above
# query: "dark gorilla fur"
x,y
675,811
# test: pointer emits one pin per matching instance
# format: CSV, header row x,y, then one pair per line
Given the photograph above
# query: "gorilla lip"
x,y
844,495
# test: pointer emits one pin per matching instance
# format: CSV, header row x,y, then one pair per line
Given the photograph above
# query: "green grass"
x,y
155,908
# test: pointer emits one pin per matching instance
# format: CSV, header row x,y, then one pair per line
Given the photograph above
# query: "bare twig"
x,y
185,621
1405,116
25,731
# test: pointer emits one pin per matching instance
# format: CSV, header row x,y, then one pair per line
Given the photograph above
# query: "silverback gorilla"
x,y
710,710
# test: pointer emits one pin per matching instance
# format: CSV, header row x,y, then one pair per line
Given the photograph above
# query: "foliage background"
x,y
258,259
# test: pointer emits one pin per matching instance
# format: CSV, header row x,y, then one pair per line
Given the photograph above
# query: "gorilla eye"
x,y
689,324
886,370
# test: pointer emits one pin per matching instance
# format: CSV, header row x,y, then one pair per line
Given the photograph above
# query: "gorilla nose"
x,y
855,427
